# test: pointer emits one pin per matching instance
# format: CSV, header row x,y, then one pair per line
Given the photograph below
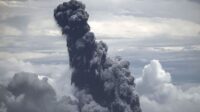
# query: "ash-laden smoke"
x,y
103,84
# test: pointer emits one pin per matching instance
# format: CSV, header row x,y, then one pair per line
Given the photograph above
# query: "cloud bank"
x,y
27,93
155,87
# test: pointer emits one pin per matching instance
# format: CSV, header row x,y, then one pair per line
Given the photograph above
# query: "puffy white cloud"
x,y
158,93
153,77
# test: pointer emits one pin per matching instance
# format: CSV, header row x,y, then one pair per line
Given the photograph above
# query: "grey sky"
x,y
169,17
137,30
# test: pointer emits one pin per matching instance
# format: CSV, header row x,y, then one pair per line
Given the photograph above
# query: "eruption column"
x,y
103,84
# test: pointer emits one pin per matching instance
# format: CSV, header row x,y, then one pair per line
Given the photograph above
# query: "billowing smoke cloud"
x,y
103,84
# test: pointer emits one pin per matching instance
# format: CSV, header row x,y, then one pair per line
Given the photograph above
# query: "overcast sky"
x,y
122,18
161,39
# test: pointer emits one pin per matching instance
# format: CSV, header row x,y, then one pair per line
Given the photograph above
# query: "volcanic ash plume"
x,y
103,84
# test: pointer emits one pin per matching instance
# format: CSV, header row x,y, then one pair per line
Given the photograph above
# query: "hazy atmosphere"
x,y
160,39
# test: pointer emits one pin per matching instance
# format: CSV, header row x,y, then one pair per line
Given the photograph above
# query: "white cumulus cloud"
x,y
159,94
